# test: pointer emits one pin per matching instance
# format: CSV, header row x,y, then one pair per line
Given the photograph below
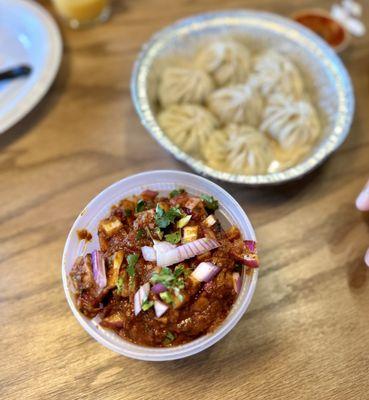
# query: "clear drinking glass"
x,y
82,13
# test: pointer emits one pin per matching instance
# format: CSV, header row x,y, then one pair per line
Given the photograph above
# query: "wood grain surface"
x,y
306,334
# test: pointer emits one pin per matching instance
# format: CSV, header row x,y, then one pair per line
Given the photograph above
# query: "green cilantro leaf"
x,y
164,218
170,279
140,234
176,192
147,305
132,261
180,283
127,212
167,297
178,270
178,294
120,282
159,233
164,276
174,237
169,337
211,204
140,206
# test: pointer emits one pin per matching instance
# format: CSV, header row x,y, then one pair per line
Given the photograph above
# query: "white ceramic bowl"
x,y
163,181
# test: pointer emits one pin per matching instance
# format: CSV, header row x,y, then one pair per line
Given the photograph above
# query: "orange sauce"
x,y
324,25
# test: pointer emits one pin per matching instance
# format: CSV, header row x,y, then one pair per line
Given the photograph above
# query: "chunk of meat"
x,y
81,274
110,226
88,304
145,219
233,233
113,272
114,321
149,194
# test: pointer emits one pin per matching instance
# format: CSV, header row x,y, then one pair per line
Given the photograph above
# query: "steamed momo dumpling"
x,y
188,126
239,149
292,123
240,104
227,61
274,73
184,85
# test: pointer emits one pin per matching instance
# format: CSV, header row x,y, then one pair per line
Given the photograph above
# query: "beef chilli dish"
x,y
166,272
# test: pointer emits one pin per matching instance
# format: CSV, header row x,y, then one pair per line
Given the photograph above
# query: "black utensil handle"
x,y
15,72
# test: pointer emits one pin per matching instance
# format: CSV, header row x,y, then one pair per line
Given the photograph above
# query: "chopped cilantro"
x,y
169,337
164,276
211,204
238,267
178,294
167,297
140,233
176,192
140,206
147,305
120,282
178,270
180,283
164,218
132,261
159,233
170,279
127,212
174,237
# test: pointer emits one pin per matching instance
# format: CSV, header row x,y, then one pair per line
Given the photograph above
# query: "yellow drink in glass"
x,y
80,13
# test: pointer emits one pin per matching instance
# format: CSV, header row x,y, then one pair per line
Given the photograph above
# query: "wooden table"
x,y
306,335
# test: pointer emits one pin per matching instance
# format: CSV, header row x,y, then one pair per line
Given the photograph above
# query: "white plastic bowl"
x,y
99,207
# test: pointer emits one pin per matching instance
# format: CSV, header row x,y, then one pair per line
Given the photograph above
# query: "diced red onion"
x,y
249,254
251,260
237,282
160,308
98,269
163,246
251,245
158,288
140,297
205,272
186,251
148,253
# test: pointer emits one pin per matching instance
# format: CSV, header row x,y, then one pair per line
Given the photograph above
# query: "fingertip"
x,y
362,201
366,258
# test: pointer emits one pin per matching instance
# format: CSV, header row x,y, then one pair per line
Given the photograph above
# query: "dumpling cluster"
x,y
240,112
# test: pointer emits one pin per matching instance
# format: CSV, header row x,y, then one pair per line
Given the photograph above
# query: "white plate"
x,y
28,35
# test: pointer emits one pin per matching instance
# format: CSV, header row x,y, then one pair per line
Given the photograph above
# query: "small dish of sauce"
x,y
324,25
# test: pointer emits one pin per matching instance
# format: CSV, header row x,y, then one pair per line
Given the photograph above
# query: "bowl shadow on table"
x,y
45,106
